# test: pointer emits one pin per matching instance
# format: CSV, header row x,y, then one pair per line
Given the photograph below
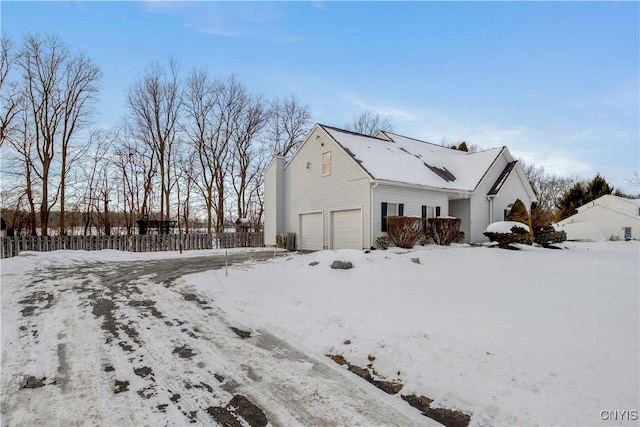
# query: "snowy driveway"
x,y
130,343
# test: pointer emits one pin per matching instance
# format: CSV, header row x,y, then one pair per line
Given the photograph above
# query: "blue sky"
x,y
558,83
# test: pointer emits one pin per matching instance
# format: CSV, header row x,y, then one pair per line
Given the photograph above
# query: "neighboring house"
x,y
614,217
339,187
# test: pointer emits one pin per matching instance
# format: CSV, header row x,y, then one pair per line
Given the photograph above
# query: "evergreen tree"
x,y
463,147
597,187
571,200
519,213
581,194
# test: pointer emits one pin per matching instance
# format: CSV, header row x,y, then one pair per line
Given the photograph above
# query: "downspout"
x,y
490,199
373,185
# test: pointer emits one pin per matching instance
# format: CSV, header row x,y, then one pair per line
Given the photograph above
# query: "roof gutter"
x,y
459,192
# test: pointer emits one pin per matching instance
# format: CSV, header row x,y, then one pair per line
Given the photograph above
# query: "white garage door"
x,y
346,229
311,231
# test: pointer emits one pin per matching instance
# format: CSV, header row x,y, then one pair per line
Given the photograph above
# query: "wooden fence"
x,y
12,246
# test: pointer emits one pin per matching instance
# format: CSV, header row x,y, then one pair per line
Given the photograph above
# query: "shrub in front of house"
x,y
383,242
444,231
519,213
507,232
548,236
405,231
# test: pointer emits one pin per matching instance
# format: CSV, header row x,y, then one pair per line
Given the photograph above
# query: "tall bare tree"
x,y
10,97
288,125
154,102
251,121
59,89
98,185
136,169
201,101
19,168
367,123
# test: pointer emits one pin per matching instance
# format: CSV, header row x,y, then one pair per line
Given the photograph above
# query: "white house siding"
x,y
609,222
479,204
412,198
274,201
511,190
461,209
347,187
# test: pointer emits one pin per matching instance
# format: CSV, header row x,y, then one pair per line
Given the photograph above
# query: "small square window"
x,y
326,163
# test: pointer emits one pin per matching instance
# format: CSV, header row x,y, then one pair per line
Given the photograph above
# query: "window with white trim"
x,y
326,163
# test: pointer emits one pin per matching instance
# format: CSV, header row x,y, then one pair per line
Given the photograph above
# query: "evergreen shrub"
x,y
519,214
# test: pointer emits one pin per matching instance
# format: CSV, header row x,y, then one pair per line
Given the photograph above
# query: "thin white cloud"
x,y
228,19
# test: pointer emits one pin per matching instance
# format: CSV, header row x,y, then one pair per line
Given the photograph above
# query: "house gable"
x,y
311,189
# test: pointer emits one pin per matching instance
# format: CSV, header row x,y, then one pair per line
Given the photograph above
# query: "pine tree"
x,y
519,213
571,200
581,194
463,147
597,187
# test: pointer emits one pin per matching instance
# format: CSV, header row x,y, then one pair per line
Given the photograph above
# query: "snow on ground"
x,y
529,337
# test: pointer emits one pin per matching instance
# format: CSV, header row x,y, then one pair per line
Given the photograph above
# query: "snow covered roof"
x,y
411,161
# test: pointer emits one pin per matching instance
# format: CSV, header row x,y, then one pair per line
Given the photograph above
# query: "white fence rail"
x,y
12,246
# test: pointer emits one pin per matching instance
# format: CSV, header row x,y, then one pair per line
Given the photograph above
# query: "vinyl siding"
x,y
610,223
461,209
479,205
274,201
512,189
413,199
346,187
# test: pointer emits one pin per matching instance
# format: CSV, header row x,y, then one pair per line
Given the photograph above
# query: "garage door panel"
x,y
347,229
311,235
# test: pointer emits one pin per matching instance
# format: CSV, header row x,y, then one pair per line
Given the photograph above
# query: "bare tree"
x,y
59,89
98,185
288,125
154,103
136,169
634,179
19,168
367,123
201,101
215,111
10,97
251,121
184,171
548,189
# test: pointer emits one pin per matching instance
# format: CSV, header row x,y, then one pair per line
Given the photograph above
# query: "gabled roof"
x,y
411,161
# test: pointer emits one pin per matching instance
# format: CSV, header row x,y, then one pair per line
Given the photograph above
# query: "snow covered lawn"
x,y
529,337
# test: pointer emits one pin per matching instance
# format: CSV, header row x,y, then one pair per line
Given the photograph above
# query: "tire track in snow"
x,y
139,347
